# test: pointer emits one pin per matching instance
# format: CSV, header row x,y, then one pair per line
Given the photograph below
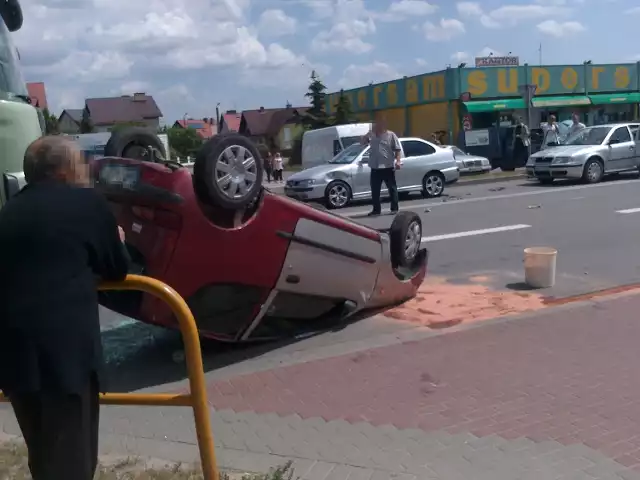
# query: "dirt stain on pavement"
x,y
439,304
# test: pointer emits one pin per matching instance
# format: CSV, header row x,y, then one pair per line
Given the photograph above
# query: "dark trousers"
x,y
268,172
61,432
388,176
277,175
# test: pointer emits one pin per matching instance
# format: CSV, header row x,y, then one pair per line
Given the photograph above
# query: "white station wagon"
x,y
426,168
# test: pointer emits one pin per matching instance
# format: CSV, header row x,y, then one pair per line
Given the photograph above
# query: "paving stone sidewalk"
x,y
551,396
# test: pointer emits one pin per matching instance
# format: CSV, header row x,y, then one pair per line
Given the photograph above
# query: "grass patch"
x,y
13,466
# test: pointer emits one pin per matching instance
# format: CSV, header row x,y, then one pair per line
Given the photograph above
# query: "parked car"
x,y
468,163
426,168
251,265
589,154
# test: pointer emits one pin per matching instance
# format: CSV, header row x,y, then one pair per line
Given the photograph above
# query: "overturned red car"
x,y
250,264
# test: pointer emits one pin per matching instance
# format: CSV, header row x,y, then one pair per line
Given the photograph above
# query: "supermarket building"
x,y
466,99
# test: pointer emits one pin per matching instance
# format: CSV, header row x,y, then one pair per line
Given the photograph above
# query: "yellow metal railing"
x,y
197,396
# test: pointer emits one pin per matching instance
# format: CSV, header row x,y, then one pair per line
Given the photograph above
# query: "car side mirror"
x,y
614,141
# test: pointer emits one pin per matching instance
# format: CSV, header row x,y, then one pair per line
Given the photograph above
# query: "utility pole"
x,y
540,53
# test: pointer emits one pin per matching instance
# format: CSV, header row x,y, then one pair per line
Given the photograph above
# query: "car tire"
x,y
405,236
228,172
337,195
546,181
593,171
433,184
134,143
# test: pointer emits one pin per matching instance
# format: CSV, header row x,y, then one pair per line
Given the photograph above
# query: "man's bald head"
x,y
54,158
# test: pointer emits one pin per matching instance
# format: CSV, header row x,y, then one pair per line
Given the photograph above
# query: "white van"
x,y
321,145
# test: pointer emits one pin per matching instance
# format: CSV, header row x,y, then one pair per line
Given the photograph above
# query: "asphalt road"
x,y
482,230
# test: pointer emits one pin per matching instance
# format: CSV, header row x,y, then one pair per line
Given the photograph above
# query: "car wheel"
x,y
228,172
593,171
337,194
134,143
405,236
433,184
546,181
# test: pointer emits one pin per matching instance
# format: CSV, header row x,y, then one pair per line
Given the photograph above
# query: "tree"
x,y
50,122
315,117
343,113
184,141
86,125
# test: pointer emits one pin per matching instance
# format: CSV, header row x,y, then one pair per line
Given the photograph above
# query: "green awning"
x,y
613,98
560,101
495,105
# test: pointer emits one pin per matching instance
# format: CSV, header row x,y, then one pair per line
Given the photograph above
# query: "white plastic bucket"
x,y
540,266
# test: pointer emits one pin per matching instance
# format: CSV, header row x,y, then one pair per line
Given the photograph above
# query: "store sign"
x,y
497,61
496,82
476,138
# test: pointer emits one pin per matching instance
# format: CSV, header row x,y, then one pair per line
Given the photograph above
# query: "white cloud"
x,y
358,75
407,9
633,11
469,9
421,62
560,29
444,30
276,23
103,47
512,15
460,57
345,36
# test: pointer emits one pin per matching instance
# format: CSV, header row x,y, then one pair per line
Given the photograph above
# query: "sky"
x,y
243,54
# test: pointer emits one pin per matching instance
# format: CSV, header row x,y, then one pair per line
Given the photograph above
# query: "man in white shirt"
x,y
577,125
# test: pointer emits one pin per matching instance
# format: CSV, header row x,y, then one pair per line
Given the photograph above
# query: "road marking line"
x,y
542,191
472,233
629,210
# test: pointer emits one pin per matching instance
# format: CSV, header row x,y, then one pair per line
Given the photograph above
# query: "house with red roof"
x,y
273,128
137,109
37,94
206,127
229,122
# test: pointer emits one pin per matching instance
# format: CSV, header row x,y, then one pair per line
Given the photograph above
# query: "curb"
x,y
479,181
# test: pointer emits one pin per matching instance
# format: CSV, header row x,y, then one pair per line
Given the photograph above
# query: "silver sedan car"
x,y
468,163
426,168
589,154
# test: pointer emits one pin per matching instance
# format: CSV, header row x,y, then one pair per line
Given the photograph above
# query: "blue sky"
x,y
193,54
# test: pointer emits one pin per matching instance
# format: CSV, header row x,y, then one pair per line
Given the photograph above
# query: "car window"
x,y
337,148
621,134
416,148
457,151
634,131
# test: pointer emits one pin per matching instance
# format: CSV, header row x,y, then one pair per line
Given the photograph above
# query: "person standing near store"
x,y
57,239
384,158
553,131
577,125
278,167
521,142
268,166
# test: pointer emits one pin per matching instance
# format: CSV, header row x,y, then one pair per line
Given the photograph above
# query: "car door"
x,y
361,175
622,150
416,155
635,135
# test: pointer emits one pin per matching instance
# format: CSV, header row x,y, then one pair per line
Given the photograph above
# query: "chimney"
x,y
261,109
139,97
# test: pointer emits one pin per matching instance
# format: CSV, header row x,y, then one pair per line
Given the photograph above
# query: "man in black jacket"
x,y
58,238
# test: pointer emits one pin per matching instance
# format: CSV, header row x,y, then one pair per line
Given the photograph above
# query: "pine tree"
x,y
316,116
86,125
343,113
